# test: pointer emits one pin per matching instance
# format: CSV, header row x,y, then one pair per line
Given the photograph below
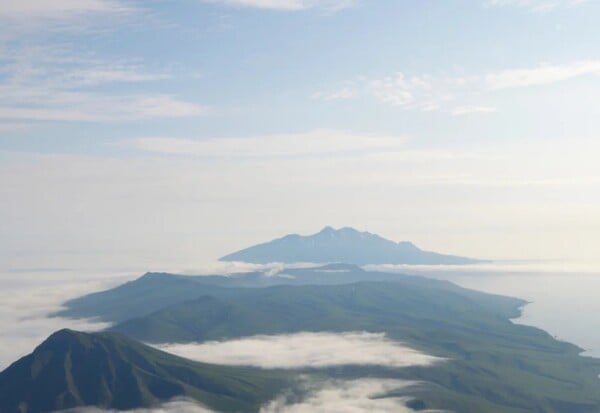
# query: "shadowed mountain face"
x,y
409,307
343,245
72,369
154,291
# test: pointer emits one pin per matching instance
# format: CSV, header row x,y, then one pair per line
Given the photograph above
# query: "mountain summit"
x,y
73,369
345,245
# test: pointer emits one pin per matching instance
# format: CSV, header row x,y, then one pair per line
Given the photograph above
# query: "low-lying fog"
x,y
330,396
304,350
26,300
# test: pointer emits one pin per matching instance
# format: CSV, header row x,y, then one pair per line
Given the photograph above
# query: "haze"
x,y
140,135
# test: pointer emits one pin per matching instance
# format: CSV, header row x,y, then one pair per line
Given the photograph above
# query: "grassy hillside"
x,y
155,291
493,362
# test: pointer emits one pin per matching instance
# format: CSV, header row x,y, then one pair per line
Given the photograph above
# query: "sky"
x,y
161,135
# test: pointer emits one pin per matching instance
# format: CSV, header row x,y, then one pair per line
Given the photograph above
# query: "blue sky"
x,y
174,132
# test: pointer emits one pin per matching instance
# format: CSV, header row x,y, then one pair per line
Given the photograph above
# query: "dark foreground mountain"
x,y
72,369
343,245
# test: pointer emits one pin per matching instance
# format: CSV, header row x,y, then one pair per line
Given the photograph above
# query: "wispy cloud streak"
x,y
61,9
316,143
287,5
425,92
541,75
178,405
55,85
540,6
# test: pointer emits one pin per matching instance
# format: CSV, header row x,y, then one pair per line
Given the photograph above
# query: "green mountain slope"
x,y
406,305
154,291
495,365
72,369
493,362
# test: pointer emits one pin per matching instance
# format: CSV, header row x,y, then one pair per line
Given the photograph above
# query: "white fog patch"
x,y
495,267
304,350
27,299
337,271
233,268
347,396
179,405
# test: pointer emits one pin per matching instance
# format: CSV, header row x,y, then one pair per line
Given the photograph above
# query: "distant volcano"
x,y
345,245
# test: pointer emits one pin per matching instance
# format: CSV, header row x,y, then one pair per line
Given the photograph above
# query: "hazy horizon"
x,y
170,135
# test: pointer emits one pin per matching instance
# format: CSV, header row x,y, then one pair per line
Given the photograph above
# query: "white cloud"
x,y
289,5
54,85
60,8
100,75
34,16
541,75
104,108
346,396
468,110
341,94
503,267
425,92
94,108
304,350
326,396
13,127
26,299
315,143
536,5
178,405
421,92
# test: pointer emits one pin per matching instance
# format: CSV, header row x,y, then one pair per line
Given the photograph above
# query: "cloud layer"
x,y
26,299
181,405
304,350
314,143
536,5
60,8
426,92
345,396
287,5
58,84
328,396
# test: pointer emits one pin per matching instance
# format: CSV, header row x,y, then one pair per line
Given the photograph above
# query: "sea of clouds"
x,y
28,298
304,350
369,395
